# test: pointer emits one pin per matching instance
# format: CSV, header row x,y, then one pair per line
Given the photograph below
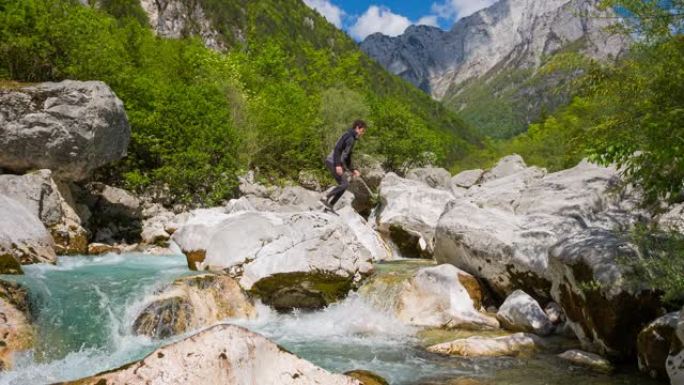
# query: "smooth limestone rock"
x,y
16,332
220,355
436,297
191,303
673,219
75,126
522,313
588,282
467,179
588,360
103,248
654,343
409,214
507,251
194,230
290,260
518,344
23,235
52,203
434,177
503,192
675,361
506,166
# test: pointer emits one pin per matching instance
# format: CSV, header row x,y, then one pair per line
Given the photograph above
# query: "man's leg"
x,y
338,191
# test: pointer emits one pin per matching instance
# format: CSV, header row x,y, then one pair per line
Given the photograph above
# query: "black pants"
x,y
342,184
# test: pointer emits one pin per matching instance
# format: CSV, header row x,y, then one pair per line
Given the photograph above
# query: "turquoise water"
x,y
85,307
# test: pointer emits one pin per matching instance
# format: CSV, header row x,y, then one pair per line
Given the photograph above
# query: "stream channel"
x,y
84,308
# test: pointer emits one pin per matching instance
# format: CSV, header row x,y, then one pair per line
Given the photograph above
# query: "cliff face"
x,y
509,34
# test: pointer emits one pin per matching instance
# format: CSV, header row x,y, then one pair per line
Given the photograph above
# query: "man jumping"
x,y
340,160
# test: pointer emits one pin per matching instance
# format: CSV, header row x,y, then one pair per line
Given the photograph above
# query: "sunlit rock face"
x,y
70,127
223,354
509,34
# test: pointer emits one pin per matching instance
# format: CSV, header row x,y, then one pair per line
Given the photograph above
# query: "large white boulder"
x,y
588,281
510,252
23,235
193,230
520,312
503,193
437,297
70,127
506,166
52,203
409,213
222,354
302,260
434,177
467,178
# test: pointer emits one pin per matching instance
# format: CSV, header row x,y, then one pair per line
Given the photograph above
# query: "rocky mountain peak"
x,y
508,34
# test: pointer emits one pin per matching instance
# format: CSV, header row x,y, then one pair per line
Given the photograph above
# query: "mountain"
x,y
487,65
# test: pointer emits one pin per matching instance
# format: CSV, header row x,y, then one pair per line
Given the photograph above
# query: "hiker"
x,y
340,160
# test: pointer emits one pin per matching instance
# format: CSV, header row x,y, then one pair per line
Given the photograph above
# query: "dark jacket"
x,y
341,155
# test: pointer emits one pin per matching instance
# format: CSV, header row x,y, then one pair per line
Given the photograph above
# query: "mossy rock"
x,y
314,290
9,264
367,377
164,318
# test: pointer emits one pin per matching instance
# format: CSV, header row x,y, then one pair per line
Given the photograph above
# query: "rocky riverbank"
x,y
514,250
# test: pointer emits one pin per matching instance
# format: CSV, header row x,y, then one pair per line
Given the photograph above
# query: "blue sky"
x,y
360,18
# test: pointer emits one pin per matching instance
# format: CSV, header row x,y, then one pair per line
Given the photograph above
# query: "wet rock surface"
x,y
191,303
16,332
587,359
654,343
519,344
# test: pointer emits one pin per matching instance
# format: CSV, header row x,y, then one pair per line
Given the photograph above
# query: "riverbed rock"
x,y
192,303
366,235
16,332
522,313
366,377
586,359
23,235
589,283
654,343
434,177
53,204
195,229
409,214
675,361
518,344
509,252
290,260
503,193
74,126
466,179
555,313
116,214
222,354
103,248
436,297
506,166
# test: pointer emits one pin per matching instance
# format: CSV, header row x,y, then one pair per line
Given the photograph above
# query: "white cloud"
x,y
456,9
379,19
330,11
